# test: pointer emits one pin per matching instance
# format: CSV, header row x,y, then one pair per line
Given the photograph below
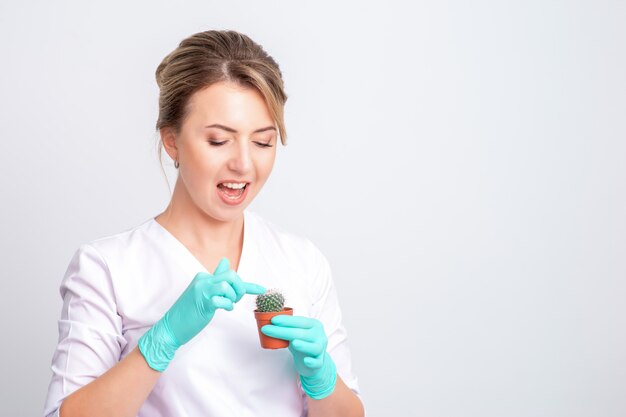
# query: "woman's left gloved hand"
x,y
307,344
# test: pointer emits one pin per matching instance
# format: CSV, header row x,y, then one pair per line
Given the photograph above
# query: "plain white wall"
x,y
461,164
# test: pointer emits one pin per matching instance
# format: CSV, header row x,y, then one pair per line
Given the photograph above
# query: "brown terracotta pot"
x,y
264,318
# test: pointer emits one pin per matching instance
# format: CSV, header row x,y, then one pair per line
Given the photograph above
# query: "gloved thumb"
x,y
223,266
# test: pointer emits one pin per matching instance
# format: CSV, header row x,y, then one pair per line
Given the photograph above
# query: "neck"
x,y
197,230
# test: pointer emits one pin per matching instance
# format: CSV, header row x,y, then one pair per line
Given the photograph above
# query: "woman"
x,y
146,329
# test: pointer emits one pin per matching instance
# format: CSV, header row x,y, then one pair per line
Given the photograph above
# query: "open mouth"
x,y
232,193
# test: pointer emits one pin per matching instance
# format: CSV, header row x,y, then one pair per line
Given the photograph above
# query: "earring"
x,y
176,164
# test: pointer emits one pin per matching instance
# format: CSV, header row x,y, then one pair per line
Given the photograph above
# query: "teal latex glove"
x,y
193,310
307,344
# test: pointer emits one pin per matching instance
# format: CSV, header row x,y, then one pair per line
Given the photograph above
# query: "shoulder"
x,y
97,263
114,246
292,245
298,258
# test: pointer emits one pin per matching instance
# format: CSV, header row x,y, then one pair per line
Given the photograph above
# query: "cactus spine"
x,y
272,300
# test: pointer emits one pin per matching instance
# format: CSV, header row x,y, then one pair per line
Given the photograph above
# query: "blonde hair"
x,y
214,56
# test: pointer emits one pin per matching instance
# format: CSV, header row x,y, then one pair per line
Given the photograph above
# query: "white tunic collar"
x,y
190,260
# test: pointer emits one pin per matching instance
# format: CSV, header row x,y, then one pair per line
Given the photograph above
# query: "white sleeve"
x,y
90,330
326,309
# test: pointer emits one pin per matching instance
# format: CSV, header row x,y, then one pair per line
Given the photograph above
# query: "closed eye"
x,y
263,145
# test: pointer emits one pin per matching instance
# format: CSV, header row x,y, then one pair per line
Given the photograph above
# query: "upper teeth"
x,y
234,185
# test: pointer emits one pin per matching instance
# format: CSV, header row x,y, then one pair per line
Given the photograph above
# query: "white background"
x,y
460,163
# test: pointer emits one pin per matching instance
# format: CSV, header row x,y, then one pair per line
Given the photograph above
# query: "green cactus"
x,y
272,300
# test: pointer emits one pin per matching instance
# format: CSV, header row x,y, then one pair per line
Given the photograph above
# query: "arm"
x,y
343,400
341,403
319,347
86,363
90,331
327,394
118,392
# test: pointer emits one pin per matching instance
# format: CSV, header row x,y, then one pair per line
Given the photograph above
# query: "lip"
x,y
234,181
230,202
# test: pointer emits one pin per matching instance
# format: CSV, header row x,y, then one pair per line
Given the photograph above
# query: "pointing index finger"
x,y
254,288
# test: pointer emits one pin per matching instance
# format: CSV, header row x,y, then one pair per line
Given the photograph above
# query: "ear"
x,y
168,138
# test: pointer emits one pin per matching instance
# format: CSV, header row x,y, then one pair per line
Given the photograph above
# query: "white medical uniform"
x,y
118,286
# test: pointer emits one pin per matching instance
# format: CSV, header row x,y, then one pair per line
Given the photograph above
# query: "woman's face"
x,y
228,136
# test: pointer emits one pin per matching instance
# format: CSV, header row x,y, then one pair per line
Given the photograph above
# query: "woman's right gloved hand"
x,y
193,310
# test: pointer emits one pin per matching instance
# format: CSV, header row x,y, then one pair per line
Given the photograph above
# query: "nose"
x,y
240,160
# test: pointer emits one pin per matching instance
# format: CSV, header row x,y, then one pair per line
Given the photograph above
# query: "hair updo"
x,y
214,56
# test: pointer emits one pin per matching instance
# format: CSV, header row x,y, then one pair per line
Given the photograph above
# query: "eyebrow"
x,y
230,129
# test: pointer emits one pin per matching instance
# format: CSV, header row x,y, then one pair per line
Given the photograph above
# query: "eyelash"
x,y
263,145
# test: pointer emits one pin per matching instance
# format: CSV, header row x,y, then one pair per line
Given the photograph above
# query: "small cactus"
x,y
272,300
